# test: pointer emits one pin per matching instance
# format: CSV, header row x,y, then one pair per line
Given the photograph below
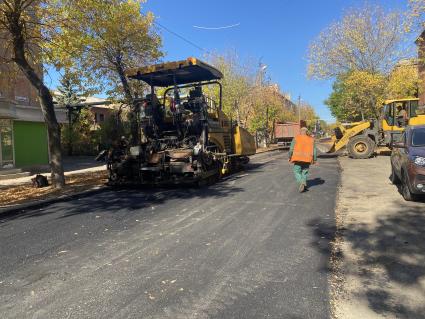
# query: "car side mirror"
x,y
398,145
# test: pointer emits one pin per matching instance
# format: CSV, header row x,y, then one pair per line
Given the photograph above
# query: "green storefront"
x,y
23,143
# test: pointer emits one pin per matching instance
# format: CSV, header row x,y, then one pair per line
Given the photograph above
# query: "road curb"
x,y
269,150
13,209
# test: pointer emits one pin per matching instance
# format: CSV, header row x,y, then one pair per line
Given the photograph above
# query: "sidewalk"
x,y
379,256
72,166
82,174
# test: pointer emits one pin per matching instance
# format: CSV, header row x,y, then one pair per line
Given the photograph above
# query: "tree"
x,y
237,82
69,91
366,39
111,36
403,81
357,95
417,12
254,104
80,135
360,94
68,97
27,27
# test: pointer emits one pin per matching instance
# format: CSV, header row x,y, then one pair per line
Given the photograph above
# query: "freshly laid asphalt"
x,y
249,246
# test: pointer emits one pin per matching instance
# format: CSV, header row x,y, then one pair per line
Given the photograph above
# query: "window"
x,y
6,143
96,117
419,110
389,114
101,117
418,137
414,108
21,98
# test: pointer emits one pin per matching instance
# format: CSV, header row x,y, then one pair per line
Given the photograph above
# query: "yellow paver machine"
x,y
184,134
362,138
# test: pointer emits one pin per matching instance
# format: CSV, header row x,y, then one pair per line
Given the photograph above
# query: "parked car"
x,y
408,163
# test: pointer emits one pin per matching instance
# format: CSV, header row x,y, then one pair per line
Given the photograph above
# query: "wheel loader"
x,y
185,137
362,138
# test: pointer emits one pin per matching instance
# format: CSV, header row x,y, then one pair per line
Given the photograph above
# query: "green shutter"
x,y
30,139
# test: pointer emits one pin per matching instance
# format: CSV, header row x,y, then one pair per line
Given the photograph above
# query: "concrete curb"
x,y
270,150
14,209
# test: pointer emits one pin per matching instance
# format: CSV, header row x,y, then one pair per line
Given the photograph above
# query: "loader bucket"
x,y
325,145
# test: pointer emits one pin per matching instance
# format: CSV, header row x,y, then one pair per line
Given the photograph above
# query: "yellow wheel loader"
x,y
362,138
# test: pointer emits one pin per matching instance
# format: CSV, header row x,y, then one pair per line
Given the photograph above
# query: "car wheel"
x,y
394,178
405,190
361,147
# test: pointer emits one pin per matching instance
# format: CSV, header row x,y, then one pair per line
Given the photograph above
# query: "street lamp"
x,y
262,71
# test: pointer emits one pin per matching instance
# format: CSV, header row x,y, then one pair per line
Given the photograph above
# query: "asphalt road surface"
x,y
249,246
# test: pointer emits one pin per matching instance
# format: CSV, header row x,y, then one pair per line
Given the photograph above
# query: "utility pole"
x,y
263,68
267,126
70,111
299,109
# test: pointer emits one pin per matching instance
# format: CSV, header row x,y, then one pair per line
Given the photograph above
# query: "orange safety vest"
x,y
303,149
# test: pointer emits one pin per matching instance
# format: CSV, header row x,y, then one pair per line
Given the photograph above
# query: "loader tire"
x,y
360,147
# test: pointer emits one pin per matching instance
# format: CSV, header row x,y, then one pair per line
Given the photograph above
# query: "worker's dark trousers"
x,y
301,172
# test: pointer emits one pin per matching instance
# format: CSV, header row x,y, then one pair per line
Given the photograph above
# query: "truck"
x,y
185,137
284,133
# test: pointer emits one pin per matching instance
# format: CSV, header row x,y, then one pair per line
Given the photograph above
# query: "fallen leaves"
x,y
74,183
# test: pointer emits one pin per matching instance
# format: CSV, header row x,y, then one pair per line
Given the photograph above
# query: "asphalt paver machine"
x,y
185,137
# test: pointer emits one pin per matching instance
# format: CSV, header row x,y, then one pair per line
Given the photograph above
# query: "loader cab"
x,y
397,114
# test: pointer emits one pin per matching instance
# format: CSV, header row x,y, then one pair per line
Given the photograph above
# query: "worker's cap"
x,y
304,130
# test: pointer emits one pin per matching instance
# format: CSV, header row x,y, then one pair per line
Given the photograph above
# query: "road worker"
x,y
302,154
401,116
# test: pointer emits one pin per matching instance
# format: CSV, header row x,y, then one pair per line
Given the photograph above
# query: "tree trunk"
x,y
46,100
134,124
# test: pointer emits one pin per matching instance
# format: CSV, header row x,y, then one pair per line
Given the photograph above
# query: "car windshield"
x,y
418,137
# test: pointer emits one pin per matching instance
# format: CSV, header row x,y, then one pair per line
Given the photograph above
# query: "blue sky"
x,y
277,31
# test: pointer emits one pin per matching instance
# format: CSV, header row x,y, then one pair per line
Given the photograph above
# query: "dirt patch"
x,y
379,251
74,183
336,261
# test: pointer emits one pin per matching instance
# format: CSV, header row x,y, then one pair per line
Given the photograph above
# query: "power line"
x,y
179,36
187,40
217,28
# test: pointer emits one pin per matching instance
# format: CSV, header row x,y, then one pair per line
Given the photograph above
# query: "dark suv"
x,y
408,163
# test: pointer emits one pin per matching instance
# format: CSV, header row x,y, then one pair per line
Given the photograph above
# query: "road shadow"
x,y
315,182
133,198
324,232
325,155
391,253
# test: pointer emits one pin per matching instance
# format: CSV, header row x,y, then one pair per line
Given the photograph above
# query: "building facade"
x,y
420,42
23,134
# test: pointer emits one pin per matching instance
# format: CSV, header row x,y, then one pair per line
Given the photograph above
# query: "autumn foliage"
x,y
366,55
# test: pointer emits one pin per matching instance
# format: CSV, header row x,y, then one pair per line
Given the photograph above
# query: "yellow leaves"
x,y
403,81
248,102
357,93
365,39
364,92
101,38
